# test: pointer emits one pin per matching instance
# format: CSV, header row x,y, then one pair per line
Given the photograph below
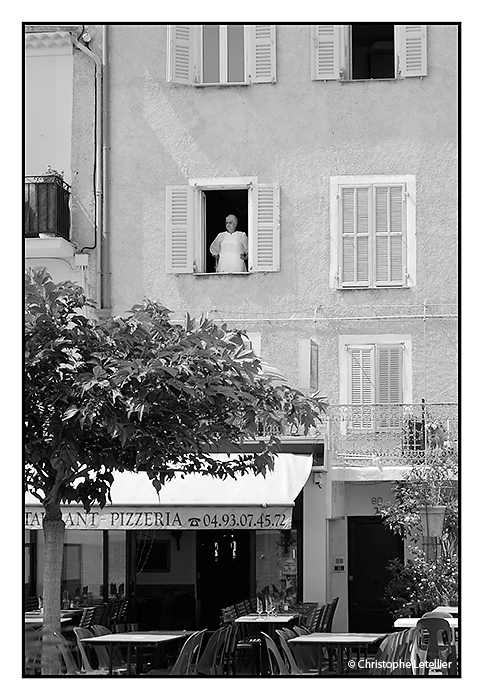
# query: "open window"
x,y
221,54
196,214
364,51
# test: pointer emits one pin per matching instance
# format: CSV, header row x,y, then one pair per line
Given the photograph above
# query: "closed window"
x,y
308,364
373,236
375,380
368,51
197,213
221,54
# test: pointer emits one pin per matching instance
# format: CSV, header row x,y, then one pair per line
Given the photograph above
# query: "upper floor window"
x,y
221,54
368,51
198,212
373,231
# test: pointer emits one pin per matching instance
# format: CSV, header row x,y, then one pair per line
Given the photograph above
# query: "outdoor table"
x,y
413,621
339,641
271,622
36,619
453,610
135,639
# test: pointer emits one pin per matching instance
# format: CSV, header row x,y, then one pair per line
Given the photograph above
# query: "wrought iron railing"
x,y
386,434
46,207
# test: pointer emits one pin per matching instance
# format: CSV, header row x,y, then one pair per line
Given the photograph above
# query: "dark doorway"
x,y
224,572
218,204
371,545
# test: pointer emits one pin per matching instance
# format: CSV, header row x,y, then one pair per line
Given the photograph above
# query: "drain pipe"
x,y
102,283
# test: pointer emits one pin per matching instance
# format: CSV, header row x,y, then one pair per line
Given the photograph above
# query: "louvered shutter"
x,y
308,364
411,49
355,221
261,53
181,52
362,386
179,229
390,224
325,51
389,385
265,246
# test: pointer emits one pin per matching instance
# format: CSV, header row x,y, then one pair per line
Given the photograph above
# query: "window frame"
x,y
348,342
185,238
334,62
338,182
259,55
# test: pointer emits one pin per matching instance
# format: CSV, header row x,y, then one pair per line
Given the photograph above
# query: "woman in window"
x,y
230,248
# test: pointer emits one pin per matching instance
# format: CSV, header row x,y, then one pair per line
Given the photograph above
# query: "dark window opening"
x,y
218,204
372,50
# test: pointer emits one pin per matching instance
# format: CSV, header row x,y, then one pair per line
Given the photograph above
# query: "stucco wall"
x,y
297,133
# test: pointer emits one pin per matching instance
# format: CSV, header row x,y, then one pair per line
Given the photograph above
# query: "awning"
x,y
194,502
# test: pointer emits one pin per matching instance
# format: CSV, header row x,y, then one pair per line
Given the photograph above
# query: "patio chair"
x,y
305,656
315,619
211,659
186,663
326,622
86,618
294,666
101,654
276,663
433,642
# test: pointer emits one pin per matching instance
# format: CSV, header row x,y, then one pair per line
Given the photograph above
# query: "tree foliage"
x,y
140,393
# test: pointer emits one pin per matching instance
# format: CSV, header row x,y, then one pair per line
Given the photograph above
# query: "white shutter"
x,y
181,39
411,50
179,229
308,364
389,385
261,53
325,54
362,386
390,225
355,223
265,244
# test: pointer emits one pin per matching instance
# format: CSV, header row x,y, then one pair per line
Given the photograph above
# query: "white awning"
x,y
193,502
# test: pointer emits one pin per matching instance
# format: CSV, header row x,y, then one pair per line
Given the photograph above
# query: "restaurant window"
x,y
116,563
276,563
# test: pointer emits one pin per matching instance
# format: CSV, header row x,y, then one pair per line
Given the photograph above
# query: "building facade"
x,y
336,148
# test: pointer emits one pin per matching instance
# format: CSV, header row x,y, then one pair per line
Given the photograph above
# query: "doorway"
x,y
217,205
224,572
371,546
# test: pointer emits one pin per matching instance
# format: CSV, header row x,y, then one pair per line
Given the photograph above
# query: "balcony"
x,y
392,434
46,207
384,435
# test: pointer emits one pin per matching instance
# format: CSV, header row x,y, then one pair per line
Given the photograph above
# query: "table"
x,y
453,610
271,622
33,619
339,641
135,639
413,621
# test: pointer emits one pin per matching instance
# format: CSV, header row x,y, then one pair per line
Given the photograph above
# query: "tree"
x,y
419,584
136,393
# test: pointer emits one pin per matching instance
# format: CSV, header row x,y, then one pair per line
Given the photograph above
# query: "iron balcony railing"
x,y
385,434
46,207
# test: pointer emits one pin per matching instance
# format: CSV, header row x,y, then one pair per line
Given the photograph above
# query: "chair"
x,y
326,621
97,615
86,617
293,664
186,663
433,642
277,665
313,623
229,654
437,614
31,603
211,659
305,656
101,653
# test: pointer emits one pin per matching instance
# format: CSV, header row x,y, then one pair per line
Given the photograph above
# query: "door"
x,y
371,545
223,572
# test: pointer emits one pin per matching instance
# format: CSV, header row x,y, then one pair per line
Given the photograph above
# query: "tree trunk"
x,y
53,552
